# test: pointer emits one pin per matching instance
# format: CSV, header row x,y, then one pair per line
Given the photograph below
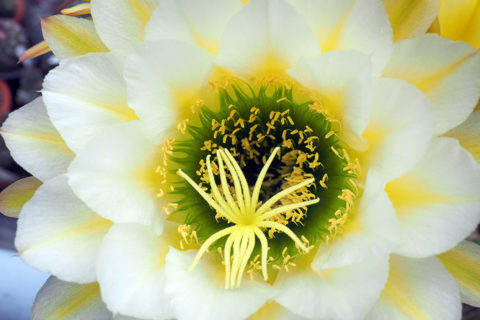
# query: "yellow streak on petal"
x,y
336,31
404,196
411,17
270,310
16,195
427,84
35,51
78,10
468,133
92,226
208,44
141,10
463,262
70,36
81,298
270,64
398,292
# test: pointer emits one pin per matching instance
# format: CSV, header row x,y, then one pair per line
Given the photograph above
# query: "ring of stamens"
x,y
248,216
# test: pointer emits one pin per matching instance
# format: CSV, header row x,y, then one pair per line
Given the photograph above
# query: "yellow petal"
x,y
35,51
410,18
78,10
16,195
460,20
69,36
463,262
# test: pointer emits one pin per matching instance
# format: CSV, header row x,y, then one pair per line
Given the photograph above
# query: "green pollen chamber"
x,y
250,124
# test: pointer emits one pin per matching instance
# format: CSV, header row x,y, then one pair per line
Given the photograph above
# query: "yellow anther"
x,y
336,152
290,120
197,105
315,163
252,118
208,145
182,126
323,181
215,124
282,99
232,114
187,234
328,135
240,122
302,158
310,139
269,127
288,144
160,193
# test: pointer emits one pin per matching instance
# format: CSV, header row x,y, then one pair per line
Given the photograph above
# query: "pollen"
x,y
248,218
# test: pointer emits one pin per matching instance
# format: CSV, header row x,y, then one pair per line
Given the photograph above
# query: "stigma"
x,y
248,218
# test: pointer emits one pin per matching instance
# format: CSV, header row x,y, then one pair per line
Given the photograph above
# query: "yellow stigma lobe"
x,y
248,217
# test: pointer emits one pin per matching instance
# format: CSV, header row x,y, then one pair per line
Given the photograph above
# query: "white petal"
x,y
200,22
121,163
201,294
131,272
121,23
84,95
463,263
437,203
371,230
35,143
265,36
342,80
343,293
417,289
360,25
69,301
447,72
400,128
467,134
57,233
164,79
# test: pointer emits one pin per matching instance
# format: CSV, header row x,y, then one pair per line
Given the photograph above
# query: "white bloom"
x,y
371,178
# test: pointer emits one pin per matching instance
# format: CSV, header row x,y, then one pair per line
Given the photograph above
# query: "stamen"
x,y
248,221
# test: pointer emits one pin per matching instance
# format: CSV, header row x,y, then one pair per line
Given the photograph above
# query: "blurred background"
x,y
20,84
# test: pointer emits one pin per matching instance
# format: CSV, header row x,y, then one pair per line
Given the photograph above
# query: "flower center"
x,y
287,182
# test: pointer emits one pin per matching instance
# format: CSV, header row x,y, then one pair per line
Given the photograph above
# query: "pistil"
x,y
249,218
